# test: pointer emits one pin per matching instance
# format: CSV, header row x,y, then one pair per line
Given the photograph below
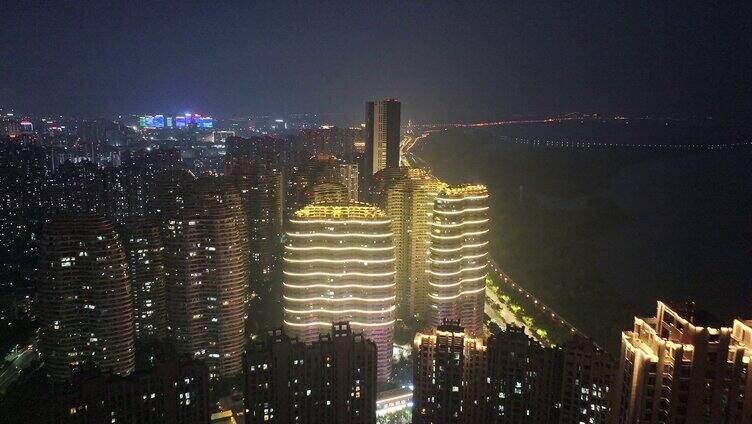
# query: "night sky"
x,y
447,61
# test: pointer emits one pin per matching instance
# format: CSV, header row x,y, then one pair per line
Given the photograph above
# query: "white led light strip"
x,y
456,249
470,233
341,249
479,221
343,299
450,261
457,295
337,235
340,261
344,311
329,324
349,221
459,199
460,211
339,274
339,286
446,274
465,280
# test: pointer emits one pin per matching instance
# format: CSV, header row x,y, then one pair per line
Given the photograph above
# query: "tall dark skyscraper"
x,y
85,298
146,270
382,139
332,380
449,376
207,275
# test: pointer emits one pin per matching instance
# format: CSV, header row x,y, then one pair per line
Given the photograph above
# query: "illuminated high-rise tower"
x,y
409,204
85,299
382,138
458,258
681,366
145,252
339,266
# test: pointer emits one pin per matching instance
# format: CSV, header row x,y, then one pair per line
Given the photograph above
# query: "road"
x,y
21,361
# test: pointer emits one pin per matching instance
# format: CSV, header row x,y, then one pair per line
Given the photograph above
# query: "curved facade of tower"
x,y
409,204
86,303
146,270
207,275
339,266
458,258
218,208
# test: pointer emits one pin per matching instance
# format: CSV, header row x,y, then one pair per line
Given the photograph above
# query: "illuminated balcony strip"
x,y
464,280
446,274
463,293
352,323
339,286
457,249
334,221
340,261
440,225
459,199
343,299
469,233
460,259
341,235
461,211
341,249
344,311
339,274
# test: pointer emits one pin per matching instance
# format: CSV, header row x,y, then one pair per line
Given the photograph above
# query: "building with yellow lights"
x,y
449,376
339,266
678,367
409,204
458,256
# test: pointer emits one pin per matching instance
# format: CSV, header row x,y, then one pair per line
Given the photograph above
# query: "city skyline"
x,y
375,213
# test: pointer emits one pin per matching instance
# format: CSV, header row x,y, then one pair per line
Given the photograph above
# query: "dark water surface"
x,y
601,233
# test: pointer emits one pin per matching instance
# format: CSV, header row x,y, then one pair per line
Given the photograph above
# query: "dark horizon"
x,y
446,62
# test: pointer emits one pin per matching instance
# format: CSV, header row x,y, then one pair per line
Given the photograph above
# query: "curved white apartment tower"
x,y
458,258
339,266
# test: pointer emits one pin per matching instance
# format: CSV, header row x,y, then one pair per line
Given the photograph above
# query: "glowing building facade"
x,y
677,367
409,204
339,266
458,258
85,299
